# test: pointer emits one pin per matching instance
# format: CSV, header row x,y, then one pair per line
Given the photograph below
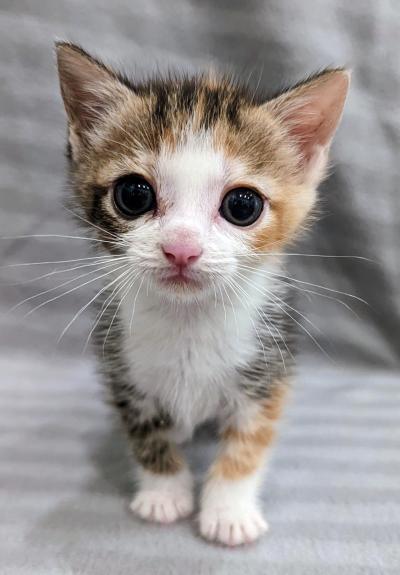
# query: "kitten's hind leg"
x,y
229,509
165,485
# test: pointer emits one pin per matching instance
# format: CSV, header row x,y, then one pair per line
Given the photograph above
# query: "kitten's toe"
x,y
162,507
232,527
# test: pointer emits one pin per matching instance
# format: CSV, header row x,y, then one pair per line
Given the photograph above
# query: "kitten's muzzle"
x,y
182,248
182,254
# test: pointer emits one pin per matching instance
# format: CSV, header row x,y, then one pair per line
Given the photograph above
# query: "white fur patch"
x,y
194,178
163,498
190,369
229,511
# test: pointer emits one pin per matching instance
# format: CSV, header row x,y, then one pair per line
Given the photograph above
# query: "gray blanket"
x,y
332,496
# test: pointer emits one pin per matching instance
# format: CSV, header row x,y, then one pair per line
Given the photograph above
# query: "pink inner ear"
x,y
307,134
312,111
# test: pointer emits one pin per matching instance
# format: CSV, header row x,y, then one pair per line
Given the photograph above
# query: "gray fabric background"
x,y
333,494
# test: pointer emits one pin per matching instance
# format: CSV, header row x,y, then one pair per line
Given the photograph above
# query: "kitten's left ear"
x,y
310,114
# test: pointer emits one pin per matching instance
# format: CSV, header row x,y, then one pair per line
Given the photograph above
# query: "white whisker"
x,y
56,262
233,309
267,325
323,295
97,227
327,256
271,294
66,270
223,303
74,289
215,295
83,308
274,274
134,305
35,236
232,283
54,288
107,303
131,283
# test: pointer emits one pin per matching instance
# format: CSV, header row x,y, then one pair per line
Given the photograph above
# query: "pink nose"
x,y
182,253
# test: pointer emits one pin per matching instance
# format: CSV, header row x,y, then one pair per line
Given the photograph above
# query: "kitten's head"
x,y
190,177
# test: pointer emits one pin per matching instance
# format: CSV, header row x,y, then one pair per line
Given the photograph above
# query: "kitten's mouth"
x,y
180,279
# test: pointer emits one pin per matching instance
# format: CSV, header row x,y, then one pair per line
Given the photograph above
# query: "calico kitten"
x,y
194,189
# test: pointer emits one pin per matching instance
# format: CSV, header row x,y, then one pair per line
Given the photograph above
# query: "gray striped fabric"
x,y
333,493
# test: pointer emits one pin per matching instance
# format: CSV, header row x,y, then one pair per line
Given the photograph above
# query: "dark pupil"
x,y
243,206
134,196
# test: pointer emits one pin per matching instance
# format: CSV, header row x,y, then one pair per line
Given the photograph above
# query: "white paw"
x,y
231,526
162,507
163,498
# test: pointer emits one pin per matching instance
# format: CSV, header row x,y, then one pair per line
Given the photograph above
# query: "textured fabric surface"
x,y
331,497
333,494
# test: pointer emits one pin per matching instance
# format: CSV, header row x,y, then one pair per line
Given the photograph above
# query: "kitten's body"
x,y
193,190
199,362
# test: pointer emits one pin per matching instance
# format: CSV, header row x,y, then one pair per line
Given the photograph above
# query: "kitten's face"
x,y
205,212
190,178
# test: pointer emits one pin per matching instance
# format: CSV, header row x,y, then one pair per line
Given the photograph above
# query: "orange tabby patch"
x,y
244,449
289,209
245,454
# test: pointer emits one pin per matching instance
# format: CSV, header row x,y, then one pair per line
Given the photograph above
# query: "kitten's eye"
x,y
241,206
134,196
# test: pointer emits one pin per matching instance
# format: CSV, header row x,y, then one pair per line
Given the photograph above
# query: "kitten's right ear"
x,y
89,90
310,113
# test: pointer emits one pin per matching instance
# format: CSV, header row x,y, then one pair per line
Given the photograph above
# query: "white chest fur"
x,y
185,357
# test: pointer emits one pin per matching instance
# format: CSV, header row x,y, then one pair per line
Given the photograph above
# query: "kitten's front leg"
x,y
165,485
229,509
163,498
